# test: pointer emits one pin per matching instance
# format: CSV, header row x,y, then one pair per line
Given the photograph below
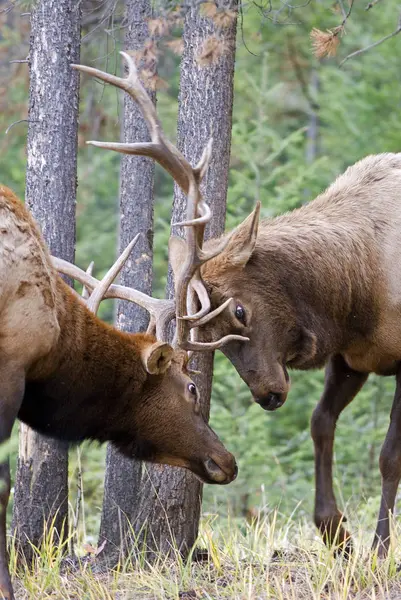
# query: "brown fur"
x,y
50,335
320,284
70,376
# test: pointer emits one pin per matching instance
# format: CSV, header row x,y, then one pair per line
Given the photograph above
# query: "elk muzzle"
x,y
220,469
272,401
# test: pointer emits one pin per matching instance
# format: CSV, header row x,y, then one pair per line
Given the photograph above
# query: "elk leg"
x,y
12,382
390,468
341,386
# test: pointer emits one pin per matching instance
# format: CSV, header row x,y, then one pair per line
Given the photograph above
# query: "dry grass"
x,y
243,564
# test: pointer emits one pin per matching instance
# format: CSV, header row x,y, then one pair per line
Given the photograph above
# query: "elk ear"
x,y
176,254
157,357
243,239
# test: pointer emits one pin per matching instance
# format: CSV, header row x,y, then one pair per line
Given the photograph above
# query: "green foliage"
x,y
357,115
275,102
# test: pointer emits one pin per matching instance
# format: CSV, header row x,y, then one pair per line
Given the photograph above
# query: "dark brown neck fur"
x,y
93,365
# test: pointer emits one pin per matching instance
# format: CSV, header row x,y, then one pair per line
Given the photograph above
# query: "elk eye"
x,y
240,313
192,389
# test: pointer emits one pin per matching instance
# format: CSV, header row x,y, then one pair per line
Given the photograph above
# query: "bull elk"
x,y
319,286
68,375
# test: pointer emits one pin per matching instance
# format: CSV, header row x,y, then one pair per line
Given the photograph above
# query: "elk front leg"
x,y
12,383
390,468
341,386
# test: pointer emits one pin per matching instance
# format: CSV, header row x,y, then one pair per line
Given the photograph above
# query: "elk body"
x,y
70,376
320,286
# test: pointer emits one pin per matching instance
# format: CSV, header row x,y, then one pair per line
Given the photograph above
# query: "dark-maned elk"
x,y
318,286
70,376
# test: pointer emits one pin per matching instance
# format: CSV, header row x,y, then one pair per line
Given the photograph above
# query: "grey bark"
x,y
41,487
312,133
123,476
169,499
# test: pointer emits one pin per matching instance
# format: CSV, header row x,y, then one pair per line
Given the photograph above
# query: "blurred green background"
x,y
298,122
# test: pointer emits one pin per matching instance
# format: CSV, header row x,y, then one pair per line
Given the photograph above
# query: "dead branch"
x,y
374,45
371,4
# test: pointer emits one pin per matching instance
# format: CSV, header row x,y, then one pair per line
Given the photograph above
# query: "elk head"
x,y
214,284
164,423
259,304
171,427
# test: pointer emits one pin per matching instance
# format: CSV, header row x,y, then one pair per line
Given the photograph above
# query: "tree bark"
x,y
168,501
41,487
123,476
312,132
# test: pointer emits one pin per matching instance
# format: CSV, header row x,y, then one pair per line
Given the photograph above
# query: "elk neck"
x,y
89,384
323,264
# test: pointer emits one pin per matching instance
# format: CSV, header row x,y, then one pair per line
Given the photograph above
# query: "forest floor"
x,y
252,562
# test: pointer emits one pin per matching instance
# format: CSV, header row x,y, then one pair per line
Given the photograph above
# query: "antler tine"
x,y
203,165
133,86
210,346
190,280
85,291
182,287
161,311
94,300
190,276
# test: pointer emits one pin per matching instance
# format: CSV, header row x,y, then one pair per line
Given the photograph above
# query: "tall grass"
x,y
272,557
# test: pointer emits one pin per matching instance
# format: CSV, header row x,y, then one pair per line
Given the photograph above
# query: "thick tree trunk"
x,y
169,499
123,476
41,487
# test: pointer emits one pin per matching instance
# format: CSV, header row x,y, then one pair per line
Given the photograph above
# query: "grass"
x,y
270,558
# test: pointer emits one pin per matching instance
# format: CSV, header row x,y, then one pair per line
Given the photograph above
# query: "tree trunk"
x,y
41,487
312,132
123,476
169,499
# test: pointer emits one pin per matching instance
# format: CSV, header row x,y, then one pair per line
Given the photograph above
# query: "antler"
x,y
161,311
198,213
190,282
160,148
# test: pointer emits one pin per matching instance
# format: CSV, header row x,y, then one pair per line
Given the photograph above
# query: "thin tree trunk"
x,y
41,487
169,499
123,476
312,132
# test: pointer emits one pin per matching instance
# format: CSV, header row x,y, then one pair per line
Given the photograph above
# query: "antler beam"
x,y
161,311
189,286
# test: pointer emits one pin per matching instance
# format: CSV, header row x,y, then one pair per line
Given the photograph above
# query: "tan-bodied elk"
x,y
68,375
320,286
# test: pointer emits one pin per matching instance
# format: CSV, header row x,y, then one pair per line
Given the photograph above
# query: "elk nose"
x,y
215,472
272,401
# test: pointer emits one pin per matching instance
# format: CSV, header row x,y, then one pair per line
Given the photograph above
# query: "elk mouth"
x,y
272,401
214,473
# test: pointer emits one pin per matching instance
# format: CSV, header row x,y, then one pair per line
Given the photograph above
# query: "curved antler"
x,y
161,311
189,285
190,282
160,148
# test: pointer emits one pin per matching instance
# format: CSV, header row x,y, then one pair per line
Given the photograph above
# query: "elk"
x,y
319,286
314,287
68,375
